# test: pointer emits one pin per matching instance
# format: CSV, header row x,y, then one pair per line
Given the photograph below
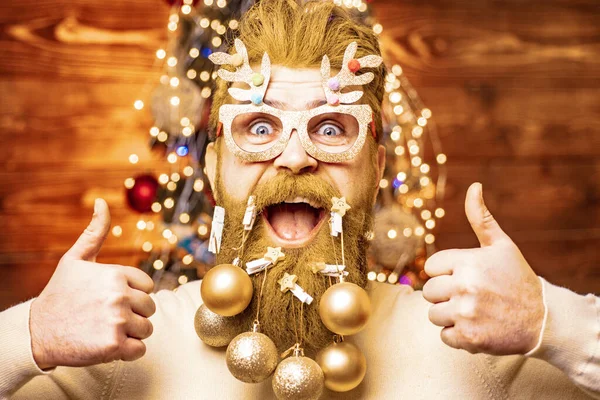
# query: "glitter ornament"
x,y
142,195
344,366
345,308
167,115
214,329
395,252
226,290
251,357
298,378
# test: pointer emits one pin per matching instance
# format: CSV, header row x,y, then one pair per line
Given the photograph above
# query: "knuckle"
x,y
110,351
118,298
470,348
473,339
469,287
115,280
468,260
468,309
113,346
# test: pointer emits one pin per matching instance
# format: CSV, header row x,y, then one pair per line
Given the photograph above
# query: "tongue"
x,y
292,221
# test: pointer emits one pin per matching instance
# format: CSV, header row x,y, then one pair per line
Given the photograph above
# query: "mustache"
x,y
285,186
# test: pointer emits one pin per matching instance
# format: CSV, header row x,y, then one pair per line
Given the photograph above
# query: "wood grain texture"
x,y
513,87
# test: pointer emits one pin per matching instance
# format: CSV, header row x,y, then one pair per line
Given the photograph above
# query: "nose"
x,y
294,158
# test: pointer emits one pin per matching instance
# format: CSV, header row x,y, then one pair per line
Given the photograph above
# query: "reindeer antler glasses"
x,y
334,132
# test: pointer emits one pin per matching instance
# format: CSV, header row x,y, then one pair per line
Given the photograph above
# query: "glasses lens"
x,y
333,132
255,132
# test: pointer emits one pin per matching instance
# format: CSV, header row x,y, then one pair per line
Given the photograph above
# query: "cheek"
x,y
351,180
237,177
356,179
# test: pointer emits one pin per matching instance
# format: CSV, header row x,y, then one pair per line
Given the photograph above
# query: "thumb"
x,y
89,243
482,221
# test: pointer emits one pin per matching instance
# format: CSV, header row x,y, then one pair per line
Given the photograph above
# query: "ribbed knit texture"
x,y
571,338
16,357
405,357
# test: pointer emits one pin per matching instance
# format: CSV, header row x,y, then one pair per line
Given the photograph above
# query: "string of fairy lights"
x,y
408,130
408,185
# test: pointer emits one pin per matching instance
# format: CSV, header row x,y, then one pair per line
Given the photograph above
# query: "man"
x,y
97,331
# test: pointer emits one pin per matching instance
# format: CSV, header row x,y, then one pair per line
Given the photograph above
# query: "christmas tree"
x,y
178,204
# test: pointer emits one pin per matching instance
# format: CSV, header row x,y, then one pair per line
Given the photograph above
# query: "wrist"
x,y
541,320
38,348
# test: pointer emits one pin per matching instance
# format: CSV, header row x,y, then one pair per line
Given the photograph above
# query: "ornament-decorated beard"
x,y
276,314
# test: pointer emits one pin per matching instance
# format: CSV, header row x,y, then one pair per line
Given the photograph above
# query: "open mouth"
x,y
293,222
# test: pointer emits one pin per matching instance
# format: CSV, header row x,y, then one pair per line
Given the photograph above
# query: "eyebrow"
x,y
284,106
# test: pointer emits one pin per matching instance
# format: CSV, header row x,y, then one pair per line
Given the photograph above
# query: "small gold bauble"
x,y
251,357
298,378
345,308
214,329
226,290
344,366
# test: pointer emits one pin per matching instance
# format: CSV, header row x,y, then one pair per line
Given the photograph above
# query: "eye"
x,y
261,128
329,129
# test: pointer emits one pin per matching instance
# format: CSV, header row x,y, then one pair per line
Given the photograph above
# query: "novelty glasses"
x,y
328,133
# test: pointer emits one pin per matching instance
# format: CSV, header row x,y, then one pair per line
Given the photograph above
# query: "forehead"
x,y
294,88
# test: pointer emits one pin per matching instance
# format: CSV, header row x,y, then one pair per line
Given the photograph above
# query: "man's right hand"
x,y
91,313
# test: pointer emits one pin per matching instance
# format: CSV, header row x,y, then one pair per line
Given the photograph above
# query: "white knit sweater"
x,y
405,355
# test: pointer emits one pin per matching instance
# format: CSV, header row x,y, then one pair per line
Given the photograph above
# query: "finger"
x,y
443,262
89,243
141,303
449,337
482,221
138,279
132,349
138,327
439,289
442,314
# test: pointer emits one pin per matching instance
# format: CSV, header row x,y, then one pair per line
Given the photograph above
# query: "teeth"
x,y
302,200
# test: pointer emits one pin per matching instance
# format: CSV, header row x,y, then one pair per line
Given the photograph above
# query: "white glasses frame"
x,y
295,120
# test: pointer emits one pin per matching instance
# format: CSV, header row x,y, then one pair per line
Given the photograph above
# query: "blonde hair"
x,y
298,36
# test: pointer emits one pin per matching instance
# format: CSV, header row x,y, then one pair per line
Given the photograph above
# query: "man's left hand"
x,y
488,299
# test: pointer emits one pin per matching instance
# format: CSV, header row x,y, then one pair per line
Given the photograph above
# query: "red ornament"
x,y
353,65
143,193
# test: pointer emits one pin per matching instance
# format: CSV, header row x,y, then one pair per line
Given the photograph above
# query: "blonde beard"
x,y
280,312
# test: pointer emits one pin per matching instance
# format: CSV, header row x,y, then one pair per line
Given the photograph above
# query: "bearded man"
x,y
98,331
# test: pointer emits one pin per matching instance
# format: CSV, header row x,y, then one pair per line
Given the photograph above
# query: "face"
x,y
296,90
294,194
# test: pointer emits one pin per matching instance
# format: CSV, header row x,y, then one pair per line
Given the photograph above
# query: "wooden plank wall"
x,y
513,86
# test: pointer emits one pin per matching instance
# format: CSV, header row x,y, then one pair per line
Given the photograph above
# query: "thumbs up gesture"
x,y
91,313
488,299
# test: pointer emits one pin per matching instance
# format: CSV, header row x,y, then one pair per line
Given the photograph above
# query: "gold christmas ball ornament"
x,y
298,378
226,290
344,366
345,308
251,357
215,330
